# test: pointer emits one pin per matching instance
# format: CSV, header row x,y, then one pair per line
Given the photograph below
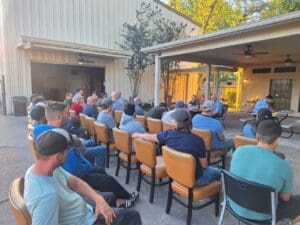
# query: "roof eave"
x,y
273,21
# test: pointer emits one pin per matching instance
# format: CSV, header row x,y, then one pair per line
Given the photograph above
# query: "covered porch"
x,y
268,51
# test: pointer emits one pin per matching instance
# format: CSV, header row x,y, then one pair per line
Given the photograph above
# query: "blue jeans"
x,y
227,144
210,174
96,155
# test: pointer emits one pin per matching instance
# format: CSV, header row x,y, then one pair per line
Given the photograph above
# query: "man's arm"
x,y
146,136
84,189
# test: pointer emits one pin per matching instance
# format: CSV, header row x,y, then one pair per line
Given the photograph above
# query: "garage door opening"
x,y
53,81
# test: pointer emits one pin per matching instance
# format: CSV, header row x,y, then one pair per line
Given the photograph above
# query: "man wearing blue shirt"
x,y
183,140
52,195
90,108
266,168
106,118
118,101
138,108
128,122
207,122
263,104
167,117
218,110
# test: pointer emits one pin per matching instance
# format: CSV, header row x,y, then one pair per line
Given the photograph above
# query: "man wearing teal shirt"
x,y
260,164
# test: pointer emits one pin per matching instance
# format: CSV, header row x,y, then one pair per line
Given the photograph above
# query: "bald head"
x,y
137,100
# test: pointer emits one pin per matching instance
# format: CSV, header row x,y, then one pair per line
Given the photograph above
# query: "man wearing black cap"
x,y
128,122
52,194
181,139
167,117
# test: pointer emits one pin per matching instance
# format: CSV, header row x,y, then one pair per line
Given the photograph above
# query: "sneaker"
x,y
128,203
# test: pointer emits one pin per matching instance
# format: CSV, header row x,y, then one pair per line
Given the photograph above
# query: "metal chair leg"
x,y
152,186
118,165
138,187
190,207
170,197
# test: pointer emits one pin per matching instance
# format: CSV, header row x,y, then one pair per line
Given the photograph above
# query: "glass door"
x,y
281,90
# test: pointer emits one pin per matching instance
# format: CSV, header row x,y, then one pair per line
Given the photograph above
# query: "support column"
x,y
207,83
157,81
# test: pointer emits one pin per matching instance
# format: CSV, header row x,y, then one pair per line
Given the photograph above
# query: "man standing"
x,y
207,122
52,194
183,140
266,168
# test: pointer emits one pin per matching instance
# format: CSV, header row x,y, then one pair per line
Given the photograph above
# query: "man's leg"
x,y
210,174
106,183
96,155
289,209
109,197
123,217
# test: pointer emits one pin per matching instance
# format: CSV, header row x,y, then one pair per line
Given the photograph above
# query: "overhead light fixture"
x,y
288,61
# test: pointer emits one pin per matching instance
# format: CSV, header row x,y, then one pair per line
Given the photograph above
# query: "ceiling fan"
x,y
289,61
81,60
248,53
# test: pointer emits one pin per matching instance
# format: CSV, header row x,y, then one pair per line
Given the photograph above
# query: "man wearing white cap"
x,y
205,121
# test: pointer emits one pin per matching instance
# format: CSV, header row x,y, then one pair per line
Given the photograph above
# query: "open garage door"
x,y
53,80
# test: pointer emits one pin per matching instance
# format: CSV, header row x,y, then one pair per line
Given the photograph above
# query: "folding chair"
x,y
250,195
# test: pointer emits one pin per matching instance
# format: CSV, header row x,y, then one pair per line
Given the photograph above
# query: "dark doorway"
x,y
281,90
53,80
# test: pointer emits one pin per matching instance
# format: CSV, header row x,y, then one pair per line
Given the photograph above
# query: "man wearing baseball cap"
x,y
205,121
105,117
183,140
167,117
52,194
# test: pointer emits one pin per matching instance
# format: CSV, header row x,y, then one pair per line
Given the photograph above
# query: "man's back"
x,y
130,125
50,201
260,165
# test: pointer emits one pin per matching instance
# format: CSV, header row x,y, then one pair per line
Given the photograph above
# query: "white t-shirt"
x,y
50,201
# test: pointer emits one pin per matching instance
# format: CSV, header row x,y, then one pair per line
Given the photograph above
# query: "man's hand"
x,y
103,208
135,135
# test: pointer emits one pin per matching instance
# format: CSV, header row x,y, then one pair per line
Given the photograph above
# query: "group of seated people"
x,y
72,167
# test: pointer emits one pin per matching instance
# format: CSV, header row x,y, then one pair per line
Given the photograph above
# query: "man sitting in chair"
x,y
52,195
182,140
260,164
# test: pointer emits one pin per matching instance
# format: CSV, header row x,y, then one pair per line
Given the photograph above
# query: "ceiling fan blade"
x,y
260,53
238,53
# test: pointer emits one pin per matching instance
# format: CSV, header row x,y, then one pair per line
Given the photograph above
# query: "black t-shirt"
x,y
185,142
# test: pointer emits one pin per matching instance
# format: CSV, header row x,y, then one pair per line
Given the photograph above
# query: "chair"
x,y
31,146
250,195
123,145
239,140
181,170
141,120
168,126
89,122
223,114
82,120
101,131
118,116
149,165
206,135
154,125
17,203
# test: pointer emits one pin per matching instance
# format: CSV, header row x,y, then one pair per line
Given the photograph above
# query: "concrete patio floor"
x,y
15,158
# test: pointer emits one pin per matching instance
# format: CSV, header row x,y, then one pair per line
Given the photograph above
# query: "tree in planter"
x,y
166,31
134,38
151,28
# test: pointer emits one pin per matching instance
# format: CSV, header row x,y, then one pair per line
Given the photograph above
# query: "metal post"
x,y
3,96
207,83
157,81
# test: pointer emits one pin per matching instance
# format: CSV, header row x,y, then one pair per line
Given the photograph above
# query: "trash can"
x,y
20,105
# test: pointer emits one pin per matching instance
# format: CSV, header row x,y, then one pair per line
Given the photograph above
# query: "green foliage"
x,y
151,28
213,15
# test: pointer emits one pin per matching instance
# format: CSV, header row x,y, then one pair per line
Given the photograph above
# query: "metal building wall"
x,y
89,22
